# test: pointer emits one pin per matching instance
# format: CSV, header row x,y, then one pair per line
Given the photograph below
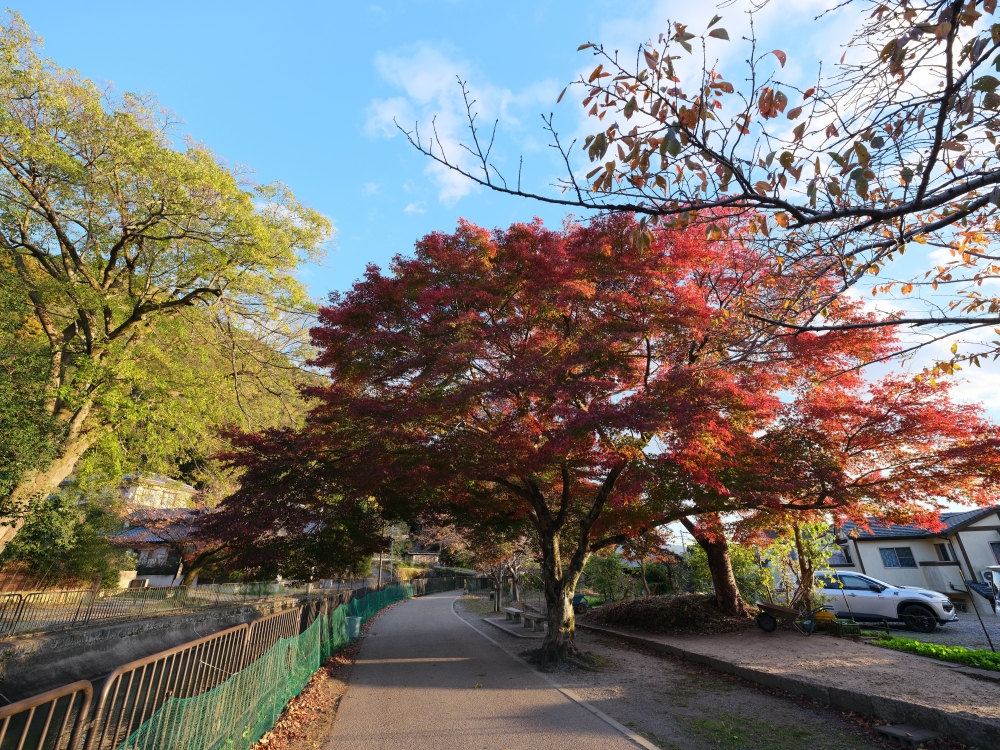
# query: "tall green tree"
x,y
110,234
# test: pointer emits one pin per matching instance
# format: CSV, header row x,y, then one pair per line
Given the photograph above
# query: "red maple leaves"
x,y
592,387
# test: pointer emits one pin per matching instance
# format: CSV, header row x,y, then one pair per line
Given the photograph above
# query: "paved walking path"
x,y
424,678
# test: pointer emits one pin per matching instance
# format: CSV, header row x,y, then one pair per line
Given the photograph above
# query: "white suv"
x,y
866,599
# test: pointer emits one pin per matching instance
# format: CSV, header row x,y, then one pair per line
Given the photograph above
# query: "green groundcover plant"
x,y
980,658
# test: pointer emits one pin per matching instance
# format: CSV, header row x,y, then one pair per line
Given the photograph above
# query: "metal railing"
x,y
69,719
42,611
54,720
422,586
134,691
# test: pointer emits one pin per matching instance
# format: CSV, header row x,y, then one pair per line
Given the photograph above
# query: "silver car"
x,y
867,599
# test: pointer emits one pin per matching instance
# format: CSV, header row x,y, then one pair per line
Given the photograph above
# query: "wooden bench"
x,y
512,614
535,622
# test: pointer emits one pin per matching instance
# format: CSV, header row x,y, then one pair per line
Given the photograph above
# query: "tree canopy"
x,y
579,381
892,148
126,256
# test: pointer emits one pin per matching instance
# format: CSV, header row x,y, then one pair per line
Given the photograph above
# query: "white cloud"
x,y
428,80
369,188
415,208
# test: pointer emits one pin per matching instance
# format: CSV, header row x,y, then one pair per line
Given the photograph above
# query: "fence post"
x,y
93,598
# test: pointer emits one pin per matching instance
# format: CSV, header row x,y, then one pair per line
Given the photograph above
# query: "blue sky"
x,y
305,93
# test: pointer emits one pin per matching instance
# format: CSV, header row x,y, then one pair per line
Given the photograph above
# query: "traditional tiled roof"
x,y
139,534
910,531
135,535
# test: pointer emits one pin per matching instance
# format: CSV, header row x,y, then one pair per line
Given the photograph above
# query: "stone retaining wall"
x,y
33,664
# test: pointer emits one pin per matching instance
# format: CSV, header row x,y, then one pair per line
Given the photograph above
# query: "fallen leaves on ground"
x,y
310,708
683,614
307,719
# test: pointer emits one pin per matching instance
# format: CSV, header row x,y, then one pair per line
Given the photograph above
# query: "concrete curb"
x,y
962,727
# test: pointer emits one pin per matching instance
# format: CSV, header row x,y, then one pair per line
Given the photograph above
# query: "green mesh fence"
x,y
237,713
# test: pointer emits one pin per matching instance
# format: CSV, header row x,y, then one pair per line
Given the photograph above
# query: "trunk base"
x,y
561,660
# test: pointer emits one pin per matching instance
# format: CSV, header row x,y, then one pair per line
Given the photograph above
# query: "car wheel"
x,y
919,618
766,622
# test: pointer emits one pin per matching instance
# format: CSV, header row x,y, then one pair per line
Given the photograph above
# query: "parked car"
x,y
867,599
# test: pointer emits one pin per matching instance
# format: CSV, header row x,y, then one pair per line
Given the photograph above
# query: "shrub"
x,y
683,614
979,658
606,575
65,536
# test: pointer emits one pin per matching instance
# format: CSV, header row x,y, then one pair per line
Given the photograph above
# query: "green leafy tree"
x,y
800,550
652,546
607,575
64,539
26,430
112,237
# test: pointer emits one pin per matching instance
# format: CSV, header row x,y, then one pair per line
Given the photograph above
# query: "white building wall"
x,y
922,549
976,540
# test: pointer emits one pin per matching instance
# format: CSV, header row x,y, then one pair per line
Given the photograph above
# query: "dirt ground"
x,y
681,706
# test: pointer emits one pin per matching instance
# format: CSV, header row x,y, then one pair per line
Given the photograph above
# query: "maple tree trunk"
x,y
727,593
642,573
560,640
559,585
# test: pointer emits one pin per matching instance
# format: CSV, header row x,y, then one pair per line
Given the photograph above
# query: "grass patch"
x,y
732,732
739,732
979,658
480,606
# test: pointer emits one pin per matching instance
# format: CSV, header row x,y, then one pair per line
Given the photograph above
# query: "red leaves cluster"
x,y
582,381
515,366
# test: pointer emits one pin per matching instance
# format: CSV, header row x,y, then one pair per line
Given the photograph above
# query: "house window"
x,y
995,546
897,557
945,552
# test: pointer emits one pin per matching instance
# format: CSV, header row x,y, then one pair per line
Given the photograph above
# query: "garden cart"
x,y
773,615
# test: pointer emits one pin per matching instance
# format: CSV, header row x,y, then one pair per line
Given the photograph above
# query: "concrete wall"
x,y
34,664
976,541
923,551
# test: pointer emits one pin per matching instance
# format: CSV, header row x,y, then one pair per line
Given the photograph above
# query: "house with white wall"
x,y
159,563
951,560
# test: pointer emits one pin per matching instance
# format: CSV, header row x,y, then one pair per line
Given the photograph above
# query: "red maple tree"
x,y
897,450
581,382
544,375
